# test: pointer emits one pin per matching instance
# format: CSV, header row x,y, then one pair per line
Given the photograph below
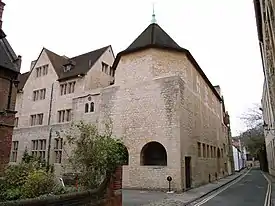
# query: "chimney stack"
x,y
2,4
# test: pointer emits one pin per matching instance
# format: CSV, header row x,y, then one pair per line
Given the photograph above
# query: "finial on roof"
x,y
153,21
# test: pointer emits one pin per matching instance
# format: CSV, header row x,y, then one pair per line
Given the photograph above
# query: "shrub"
x,y
16,175
95,154
25,180
13,194
38,183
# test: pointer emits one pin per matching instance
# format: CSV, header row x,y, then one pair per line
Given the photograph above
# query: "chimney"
x,y
218,89
32,64
2,4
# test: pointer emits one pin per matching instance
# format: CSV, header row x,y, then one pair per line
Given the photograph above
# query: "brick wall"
x,y
99,197
7,116
5,141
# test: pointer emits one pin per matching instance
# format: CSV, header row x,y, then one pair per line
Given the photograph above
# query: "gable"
x,y
31,76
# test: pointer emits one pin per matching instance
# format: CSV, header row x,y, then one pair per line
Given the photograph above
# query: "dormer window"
x,y
67,67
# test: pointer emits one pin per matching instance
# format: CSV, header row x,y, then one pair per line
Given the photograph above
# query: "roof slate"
x,y
155,37
7,56
22,80
83,63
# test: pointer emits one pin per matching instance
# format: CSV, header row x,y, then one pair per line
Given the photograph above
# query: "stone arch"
x,y
153,153
125,153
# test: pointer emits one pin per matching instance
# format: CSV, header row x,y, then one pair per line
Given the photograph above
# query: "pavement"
x,y
153,198
272,181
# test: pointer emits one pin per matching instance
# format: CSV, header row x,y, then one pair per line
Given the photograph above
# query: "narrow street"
x,y
249,191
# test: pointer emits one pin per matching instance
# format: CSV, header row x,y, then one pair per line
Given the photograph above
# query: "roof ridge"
x,y
47,50
90,52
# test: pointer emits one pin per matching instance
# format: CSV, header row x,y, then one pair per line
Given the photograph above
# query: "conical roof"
x,y
153,36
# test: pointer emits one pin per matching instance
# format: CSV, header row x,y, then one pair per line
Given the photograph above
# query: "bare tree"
x,y
253,117
253,137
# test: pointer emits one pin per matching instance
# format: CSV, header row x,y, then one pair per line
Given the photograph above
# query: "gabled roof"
x,y
8,58
155,37
82,63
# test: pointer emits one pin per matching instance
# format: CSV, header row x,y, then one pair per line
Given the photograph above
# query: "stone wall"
x,y
160,96
6,120
142,113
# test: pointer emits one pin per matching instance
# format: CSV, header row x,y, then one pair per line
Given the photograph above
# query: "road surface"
x,y
251,190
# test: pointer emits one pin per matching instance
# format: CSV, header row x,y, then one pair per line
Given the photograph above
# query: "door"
x,y
187,172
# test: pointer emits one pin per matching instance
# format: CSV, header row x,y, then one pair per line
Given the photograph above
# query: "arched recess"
x,y
219,153
125,154
153,153
86,107
92,107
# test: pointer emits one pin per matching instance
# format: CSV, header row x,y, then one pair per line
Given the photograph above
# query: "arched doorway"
x,y
153,153
125,154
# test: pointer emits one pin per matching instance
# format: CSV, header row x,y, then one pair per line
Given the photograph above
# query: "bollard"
x,y
169,179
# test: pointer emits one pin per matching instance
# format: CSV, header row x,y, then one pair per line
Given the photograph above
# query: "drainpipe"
x,y
50,132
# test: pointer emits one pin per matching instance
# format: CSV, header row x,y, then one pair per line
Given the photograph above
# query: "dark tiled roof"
x,y
2,34
82,63
22,80
8,58
155,37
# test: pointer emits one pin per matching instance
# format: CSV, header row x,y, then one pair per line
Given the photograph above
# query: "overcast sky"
x,y
221,35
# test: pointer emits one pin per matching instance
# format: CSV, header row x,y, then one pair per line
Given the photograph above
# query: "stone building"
x,y
9,70
170,117
45,99
265,19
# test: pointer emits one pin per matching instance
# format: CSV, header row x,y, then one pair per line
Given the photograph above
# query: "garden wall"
x,y
108,194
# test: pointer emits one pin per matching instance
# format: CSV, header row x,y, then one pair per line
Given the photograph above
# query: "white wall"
x,y
239,161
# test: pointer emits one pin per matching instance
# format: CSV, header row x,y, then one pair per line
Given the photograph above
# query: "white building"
x,y
239,159
49,93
